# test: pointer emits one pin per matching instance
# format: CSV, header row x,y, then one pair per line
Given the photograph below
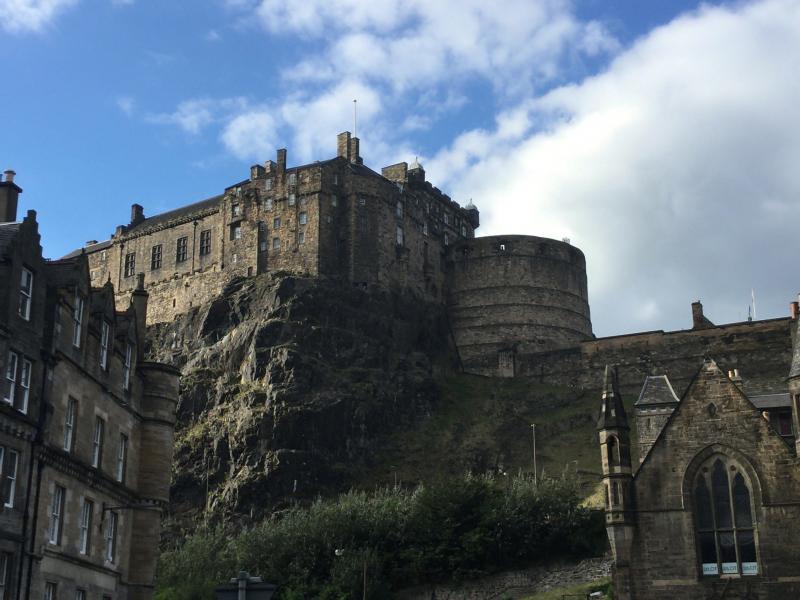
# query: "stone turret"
x,y
615,454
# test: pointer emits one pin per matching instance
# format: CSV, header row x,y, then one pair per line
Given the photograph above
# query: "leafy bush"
x,y
456,529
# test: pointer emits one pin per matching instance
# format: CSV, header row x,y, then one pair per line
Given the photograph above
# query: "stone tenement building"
x,y
86,428
713,510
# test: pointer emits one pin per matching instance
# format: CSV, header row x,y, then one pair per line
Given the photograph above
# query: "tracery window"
x,y
724,520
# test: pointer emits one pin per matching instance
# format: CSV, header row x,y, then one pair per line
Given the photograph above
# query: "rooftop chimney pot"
x,y
9,173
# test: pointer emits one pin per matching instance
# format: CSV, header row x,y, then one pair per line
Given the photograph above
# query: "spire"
x,y
612,413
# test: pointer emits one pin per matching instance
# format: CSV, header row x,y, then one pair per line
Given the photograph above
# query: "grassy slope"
x,y
484,425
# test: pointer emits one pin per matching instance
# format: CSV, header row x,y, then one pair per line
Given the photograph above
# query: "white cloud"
x,y
195,115
30,15
251,135
418,43
675,170
126,104
213,36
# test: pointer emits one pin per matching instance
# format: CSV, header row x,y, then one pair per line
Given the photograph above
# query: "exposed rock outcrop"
x,y
288,384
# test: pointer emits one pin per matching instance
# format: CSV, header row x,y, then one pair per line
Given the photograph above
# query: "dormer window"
x,y
25,294
77,320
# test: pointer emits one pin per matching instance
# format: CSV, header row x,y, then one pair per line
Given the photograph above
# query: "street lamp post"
x,y
535,474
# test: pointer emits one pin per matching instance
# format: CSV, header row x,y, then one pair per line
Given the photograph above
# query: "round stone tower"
x,y
515,295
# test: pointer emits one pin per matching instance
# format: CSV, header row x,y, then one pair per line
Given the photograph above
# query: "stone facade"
x,y
713,509
90,424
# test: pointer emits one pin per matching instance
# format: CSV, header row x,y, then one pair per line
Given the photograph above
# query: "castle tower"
x,y
615,454
794,376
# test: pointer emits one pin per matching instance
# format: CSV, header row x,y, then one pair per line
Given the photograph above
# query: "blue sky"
x,y
659,136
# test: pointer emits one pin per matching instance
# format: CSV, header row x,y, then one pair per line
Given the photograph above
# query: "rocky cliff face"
x,y
288,385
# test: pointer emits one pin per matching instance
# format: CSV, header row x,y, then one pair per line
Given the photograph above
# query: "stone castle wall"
x,y
761,350
510,296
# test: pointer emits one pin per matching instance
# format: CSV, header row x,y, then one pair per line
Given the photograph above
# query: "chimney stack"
x,y
699,321
139,304
343,145
9,197
794,309
355,157
282,161
137,214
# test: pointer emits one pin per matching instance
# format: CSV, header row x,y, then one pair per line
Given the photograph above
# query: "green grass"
x,y
484,425
573,592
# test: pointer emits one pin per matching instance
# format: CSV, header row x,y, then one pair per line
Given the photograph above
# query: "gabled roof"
x,y
767,401
657,390
612,413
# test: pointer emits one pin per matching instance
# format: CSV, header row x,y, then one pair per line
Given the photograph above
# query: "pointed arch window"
x,y
612,447
724,520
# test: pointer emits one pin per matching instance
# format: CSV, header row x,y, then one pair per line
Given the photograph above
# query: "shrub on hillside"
x,y
456,529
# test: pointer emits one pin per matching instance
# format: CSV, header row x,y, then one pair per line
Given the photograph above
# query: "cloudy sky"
x,y
662,137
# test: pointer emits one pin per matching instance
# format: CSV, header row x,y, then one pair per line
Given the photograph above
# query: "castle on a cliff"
x,y
339,219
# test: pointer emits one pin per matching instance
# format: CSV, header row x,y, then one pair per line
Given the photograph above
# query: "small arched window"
x,y
724,520
613,451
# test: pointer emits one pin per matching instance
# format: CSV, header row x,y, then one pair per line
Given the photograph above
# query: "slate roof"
x,y
656,390
767,401
8,231
178,213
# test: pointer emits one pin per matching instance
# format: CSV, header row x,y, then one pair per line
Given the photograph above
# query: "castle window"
x,y
11,378
446,239
130,264
425,228
235,259
334,200
399,210
303,218
50,591
268,184
724,520
262,227
400,236
236,209
446,218
236,232
335,179
301,238
262,245
181,249
155,257
292,199
292,178
267,203
205,242
25,293
276,243
362,201
276,223
362,223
